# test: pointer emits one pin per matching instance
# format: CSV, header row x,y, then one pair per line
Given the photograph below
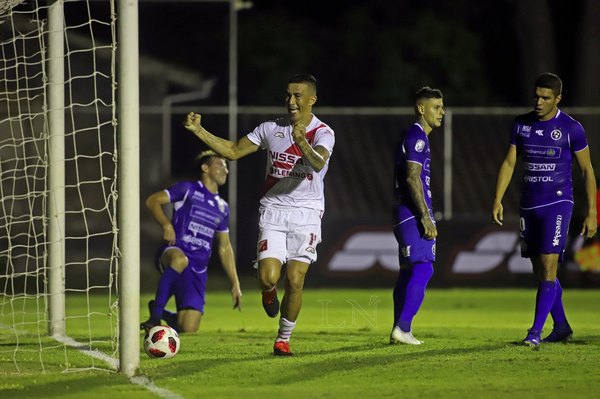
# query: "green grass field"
x,y
341,343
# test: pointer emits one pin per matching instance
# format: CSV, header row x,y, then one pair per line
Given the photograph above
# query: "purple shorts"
x,y
544,230
190,288
412,247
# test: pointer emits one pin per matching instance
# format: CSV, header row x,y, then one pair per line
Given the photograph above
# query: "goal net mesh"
x,y
90,189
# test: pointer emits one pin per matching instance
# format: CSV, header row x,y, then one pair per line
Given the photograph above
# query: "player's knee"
x,y
179,263
189,326
267,280
268,276
295,281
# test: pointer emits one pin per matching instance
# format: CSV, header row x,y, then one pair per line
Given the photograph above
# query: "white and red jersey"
x,y
290,180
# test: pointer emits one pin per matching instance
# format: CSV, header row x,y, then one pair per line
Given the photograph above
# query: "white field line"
x,y
114,363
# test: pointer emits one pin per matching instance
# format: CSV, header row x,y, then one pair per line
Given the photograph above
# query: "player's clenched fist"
x,y
299,132
192,122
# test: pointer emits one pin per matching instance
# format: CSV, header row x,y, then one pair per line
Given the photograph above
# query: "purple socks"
x,y
558,311
545,300
164,291
410,292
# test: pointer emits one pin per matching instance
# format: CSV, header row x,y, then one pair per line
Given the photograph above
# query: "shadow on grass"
x,y
83,385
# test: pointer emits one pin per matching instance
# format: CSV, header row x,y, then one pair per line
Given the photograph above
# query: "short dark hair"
x,y
205,158
550,81
305,78
427,92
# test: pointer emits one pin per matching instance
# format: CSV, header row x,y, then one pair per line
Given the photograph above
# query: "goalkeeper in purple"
x,y
414,225
200,216
547,140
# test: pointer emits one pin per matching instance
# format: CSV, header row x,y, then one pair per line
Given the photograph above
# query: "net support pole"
x,y
129,190
232,122
56,170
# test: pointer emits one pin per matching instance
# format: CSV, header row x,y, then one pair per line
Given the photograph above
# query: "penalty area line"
x,y
140,380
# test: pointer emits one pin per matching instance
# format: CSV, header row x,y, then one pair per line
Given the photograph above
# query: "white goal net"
x,y
88,247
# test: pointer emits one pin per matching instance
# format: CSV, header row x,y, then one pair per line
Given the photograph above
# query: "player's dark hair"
x,y
305,78
427,92
550,81
205,158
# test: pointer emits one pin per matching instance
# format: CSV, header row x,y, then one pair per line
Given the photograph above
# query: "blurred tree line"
x,y
380,52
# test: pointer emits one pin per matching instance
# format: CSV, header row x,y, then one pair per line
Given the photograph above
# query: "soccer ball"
x,y
162,342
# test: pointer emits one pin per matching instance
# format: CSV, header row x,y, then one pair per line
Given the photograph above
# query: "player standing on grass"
x,y
199,216
547,139
299,148
414,226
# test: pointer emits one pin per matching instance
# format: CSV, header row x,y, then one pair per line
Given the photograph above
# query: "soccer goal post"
x,y
69,185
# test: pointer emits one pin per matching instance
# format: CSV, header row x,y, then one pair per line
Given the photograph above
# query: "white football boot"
x,y
400,337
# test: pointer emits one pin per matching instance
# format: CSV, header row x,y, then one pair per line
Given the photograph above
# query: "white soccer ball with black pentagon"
x,y
162,342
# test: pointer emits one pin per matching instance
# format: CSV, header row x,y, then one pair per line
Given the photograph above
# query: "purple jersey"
x,y
413,147
547,148
197,215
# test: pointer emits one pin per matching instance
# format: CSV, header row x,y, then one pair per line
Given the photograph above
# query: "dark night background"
x,y
376,53
364,54
379,52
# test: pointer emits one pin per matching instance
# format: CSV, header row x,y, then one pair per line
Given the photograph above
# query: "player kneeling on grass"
x,y
199,217
414,227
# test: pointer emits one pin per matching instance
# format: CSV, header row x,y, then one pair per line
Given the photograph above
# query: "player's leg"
x,y
188,320
290,305
404,234
546,266
175,262
561,331
399,293
415,293
270,254
269,272
190,298
302,240
416,256
545,230
294,283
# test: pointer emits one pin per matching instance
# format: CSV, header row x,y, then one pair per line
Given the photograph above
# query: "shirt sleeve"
x,y
257,136
415,146
325,138
513,133
577,137
223,227
178,191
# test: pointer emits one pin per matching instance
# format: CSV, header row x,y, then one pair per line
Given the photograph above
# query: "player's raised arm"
x,y
226,148
317,157
504,175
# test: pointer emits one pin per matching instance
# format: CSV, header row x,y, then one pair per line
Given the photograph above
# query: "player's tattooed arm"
x,y
415,187
317,157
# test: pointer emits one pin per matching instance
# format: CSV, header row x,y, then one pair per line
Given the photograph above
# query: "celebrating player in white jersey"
x,y
299,148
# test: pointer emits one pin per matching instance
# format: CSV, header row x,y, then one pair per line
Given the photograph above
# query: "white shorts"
x,y
288,234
